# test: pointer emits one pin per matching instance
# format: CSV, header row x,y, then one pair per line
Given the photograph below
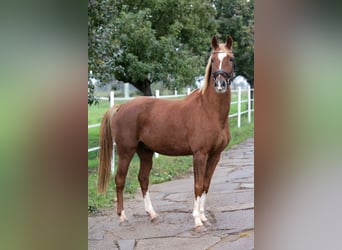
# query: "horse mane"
x,y
207,75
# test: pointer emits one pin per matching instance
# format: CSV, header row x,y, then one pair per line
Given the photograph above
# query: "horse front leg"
x,y
209,171
199,165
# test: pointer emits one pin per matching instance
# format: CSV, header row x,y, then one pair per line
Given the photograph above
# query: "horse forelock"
x,y
207,75
223,48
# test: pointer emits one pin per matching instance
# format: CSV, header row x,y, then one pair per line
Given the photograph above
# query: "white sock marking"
x,y
148,206
201,207
196,212
123,216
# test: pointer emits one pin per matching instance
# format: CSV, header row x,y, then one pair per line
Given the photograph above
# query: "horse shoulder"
x,y
221,138
226,135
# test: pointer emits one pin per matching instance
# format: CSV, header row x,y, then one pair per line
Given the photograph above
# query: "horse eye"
x,y
231,59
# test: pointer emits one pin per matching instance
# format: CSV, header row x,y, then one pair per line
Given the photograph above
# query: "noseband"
x,y
226,75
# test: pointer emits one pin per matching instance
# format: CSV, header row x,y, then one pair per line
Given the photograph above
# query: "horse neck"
x,y
217,104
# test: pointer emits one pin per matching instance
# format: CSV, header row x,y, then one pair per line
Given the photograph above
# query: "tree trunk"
x,y
144,86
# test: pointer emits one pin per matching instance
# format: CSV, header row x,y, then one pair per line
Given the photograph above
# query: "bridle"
x,y
228,76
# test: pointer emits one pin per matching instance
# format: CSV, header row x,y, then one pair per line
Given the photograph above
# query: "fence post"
x,y
249,103
126,90
113,153
111,98
176,93
239,107
188,93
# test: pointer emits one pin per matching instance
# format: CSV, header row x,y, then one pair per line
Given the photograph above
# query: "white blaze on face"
x,y
221,56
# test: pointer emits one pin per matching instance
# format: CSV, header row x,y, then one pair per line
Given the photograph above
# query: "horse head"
x,y
222,64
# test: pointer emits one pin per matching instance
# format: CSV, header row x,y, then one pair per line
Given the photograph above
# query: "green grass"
x,y
238,135
165,168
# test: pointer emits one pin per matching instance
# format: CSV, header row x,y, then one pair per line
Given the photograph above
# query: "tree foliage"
x,y
144,42
236,17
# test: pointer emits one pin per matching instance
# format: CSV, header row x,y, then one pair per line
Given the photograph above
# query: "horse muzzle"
x,y
221,85
222,80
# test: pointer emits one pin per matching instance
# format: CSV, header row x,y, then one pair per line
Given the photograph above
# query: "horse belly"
x,y
166,142
173,151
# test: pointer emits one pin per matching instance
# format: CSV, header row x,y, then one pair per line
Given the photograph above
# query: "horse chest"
x,y
222,140
210,139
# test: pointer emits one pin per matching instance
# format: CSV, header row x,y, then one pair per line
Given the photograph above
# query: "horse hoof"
x,y
155,220
206,223
124,223
200,229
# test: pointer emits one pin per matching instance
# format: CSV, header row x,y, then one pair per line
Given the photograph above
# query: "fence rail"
x,y
239,102
239,113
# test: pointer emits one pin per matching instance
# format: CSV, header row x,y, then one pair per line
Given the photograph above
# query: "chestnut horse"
x,y
196,125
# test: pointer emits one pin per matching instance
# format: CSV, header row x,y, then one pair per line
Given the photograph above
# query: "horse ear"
x,y
229,42
214,42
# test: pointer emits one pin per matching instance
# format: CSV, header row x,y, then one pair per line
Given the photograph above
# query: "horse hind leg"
x,y
146,156
120,179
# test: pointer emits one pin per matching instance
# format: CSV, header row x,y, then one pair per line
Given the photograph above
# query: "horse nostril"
x,y
223,83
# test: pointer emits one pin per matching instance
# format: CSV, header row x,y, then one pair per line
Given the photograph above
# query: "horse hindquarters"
x,y
125,133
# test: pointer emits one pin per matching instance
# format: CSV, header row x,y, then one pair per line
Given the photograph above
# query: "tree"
x,y
142,42
92,99
101,29
236,17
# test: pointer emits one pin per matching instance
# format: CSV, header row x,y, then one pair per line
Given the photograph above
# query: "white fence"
x,y
239,113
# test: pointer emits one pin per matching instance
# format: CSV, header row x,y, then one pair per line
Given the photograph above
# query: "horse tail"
x,y
106,151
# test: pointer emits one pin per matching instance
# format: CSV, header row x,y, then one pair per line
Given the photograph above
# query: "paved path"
x,y
229,208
